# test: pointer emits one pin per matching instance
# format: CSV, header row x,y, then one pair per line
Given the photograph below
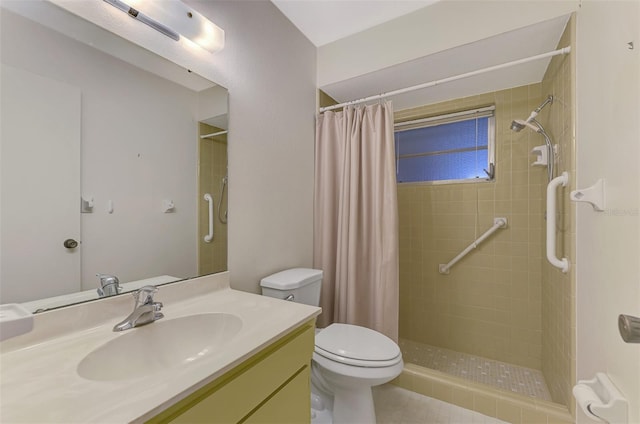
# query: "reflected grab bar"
x,y
562,264
209,236
497,223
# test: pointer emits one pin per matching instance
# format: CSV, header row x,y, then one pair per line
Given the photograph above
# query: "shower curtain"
x,y
356,218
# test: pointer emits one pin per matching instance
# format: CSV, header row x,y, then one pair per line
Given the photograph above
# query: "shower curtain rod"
x,y
564,50
214,134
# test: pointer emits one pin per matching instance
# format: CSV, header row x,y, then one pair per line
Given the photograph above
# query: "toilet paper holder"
x,y
601,400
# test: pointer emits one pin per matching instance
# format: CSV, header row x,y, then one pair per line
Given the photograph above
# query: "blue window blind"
x,y
457,150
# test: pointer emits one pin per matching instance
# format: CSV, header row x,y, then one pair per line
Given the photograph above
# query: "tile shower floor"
x,y
505,376
395,405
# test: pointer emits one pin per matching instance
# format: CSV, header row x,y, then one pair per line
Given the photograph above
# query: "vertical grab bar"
x,y
209,236
563,263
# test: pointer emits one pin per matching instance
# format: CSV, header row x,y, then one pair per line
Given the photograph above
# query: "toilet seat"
x,y
357,362
357,346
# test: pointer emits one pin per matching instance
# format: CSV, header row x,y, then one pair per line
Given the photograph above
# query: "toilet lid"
x,y
355,342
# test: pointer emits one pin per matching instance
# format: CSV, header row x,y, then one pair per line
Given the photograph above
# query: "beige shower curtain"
x,y
356,218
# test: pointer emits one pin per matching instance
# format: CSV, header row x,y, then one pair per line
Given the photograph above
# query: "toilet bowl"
x,y
347,360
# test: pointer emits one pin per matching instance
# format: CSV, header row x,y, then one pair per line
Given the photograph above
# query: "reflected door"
x,y
40,202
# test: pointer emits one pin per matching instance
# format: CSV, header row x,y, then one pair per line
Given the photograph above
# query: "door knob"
x,y
70,244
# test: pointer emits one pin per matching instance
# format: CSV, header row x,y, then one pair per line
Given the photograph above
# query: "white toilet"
x,y
347,361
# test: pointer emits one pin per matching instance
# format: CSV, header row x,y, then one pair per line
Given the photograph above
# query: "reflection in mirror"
x,y
103,167
213,180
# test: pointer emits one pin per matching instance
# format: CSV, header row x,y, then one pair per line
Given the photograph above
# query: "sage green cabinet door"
x,y
276,379
290,405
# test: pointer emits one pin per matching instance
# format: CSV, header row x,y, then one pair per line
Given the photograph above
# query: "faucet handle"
x,y
144,295
109,285
106,279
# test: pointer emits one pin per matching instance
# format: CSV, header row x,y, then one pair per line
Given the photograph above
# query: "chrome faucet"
x,y
144,312
109,285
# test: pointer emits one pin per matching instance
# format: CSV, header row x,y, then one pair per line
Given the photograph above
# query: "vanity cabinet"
x,y
273,386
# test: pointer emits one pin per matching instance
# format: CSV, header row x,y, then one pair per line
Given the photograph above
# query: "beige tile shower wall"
x,y
212,257
490,303
558,289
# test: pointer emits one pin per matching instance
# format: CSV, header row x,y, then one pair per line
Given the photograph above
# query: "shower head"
x,y
517,125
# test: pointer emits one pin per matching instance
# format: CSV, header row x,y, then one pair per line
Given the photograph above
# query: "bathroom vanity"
x,y
271,387
219,355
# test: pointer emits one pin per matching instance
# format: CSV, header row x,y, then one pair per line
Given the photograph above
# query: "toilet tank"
x,y
301,285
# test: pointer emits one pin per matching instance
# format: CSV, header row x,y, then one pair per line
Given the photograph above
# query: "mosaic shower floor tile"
x,y
505,376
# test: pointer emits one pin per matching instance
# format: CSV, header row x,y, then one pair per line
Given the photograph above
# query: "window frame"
x,y
452,117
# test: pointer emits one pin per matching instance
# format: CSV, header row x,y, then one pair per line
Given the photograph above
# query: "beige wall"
x,y
212,168
269,68
558,289
490,303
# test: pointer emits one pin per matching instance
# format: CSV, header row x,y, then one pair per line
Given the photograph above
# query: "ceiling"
x,y
326,21
506,47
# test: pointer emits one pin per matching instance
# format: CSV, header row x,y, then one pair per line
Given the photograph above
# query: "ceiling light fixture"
x,y
134,13
179,19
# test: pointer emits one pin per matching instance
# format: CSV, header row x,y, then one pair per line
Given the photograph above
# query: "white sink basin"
x,y
155,347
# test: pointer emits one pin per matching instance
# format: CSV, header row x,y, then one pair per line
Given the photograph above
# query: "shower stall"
x,y
212,212
497,333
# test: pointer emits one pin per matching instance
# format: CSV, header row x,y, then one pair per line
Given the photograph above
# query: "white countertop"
x,y
38,378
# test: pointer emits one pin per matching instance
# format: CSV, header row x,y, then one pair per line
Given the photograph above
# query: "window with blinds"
x,y
456,147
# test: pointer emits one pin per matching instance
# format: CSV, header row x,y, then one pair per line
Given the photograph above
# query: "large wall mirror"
x,y
105,164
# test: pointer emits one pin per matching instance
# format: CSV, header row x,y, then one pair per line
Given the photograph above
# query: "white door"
x,y
40,186
608,147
